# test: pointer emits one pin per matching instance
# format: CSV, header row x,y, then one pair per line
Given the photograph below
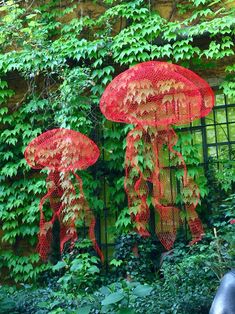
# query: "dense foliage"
x,y
55,61
186,283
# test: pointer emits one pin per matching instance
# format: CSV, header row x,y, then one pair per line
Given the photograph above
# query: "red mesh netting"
x,y
63,151
153,96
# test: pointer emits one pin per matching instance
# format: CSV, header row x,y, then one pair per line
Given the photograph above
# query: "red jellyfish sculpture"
x,y
61,152
154,96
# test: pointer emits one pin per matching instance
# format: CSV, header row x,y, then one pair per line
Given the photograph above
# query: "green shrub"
x,y
7,304
29,300
78,269
136,257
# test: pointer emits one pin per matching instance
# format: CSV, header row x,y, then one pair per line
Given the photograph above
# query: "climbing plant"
x,y
61,57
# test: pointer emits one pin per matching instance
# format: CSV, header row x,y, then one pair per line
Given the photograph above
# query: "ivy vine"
x,y
63,57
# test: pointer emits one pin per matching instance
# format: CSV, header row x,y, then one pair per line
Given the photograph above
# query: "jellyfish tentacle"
x,y
166,228
91,217
67,226
172,139
168,223
67,235
93,239
137,191
194,222
43,245
55,197
58,205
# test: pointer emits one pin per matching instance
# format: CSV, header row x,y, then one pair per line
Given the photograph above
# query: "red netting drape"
x,y
154,96
61,152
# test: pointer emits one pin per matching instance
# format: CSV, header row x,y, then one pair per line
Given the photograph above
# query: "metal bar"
x,y
199,127
204,143
215,131
228,131
221,143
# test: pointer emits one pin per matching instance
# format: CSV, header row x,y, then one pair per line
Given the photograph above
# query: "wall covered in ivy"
x,y
56,57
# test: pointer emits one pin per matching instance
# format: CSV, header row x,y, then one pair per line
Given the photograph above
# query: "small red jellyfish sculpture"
x,y
61,152
154,96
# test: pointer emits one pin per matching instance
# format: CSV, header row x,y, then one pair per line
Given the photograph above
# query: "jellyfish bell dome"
x,y
61,150
157,94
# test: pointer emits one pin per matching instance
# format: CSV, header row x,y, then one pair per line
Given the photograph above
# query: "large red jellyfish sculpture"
x,y
61,152
154,96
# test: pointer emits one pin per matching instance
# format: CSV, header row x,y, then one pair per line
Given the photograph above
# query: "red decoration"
x,y
154,96
61,152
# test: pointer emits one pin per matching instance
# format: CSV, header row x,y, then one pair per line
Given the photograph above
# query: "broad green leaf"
x,y
113,298
142,290
59,265
93,269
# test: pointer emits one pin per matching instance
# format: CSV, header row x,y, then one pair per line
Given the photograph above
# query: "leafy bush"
x,y
28,300
188,285
116,297
187,282
7,304
136,257
78,270
120,297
